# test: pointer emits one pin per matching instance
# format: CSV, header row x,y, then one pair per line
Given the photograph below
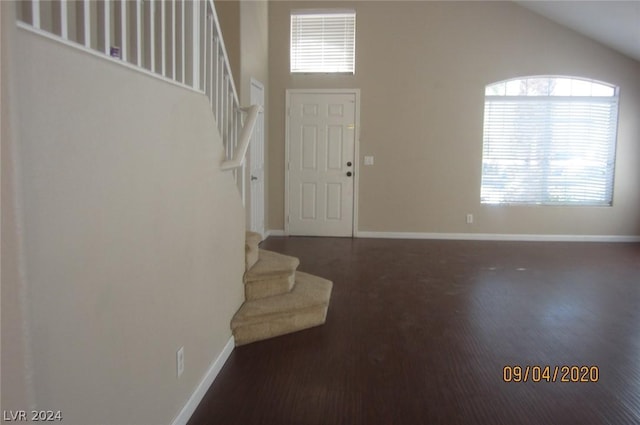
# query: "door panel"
x,y
309,149
334,201
309,201
334,142
321,130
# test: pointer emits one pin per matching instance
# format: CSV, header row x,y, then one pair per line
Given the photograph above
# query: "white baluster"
x,y
183,41
123,29
107,26
204,51
35,8
203,21
196,45
220,88
215,93
139,32
64,26
152,36
173,40
87,23
163,47
211,46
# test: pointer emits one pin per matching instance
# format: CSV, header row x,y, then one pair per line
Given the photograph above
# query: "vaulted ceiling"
x,y
612,23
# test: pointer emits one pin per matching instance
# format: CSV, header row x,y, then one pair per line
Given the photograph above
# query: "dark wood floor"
x,y
418,332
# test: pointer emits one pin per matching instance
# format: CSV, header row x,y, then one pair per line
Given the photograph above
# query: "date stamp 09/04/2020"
x,y
548,373
514,373
32,415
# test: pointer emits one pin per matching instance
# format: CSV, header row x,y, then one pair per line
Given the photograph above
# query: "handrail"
x,y
244,139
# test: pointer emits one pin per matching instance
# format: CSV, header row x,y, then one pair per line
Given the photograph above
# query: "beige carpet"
x,y
279,299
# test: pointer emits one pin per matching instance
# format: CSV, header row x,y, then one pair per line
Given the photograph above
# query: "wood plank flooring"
x,y
418,332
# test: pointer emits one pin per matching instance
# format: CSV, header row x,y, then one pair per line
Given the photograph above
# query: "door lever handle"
x,y
253,178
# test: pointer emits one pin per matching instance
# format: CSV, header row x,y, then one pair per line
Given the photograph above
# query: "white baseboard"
x,y
485,236
188,409
275,232
499,237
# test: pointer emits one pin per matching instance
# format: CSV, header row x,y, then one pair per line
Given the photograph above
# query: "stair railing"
x,y
179,41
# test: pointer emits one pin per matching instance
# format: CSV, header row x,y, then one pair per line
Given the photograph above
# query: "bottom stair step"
x,y
304,307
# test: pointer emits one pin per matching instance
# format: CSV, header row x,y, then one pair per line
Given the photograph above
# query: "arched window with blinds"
x,y
549,140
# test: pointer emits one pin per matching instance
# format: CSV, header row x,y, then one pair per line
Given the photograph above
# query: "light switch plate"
x,y
368,160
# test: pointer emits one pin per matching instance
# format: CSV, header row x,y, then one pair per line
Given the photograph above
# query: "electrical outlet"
x,y
180,361
469,218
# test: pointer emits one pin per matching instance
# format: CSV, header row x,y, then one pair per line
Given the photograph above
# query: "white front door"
x,y
256,158
321,135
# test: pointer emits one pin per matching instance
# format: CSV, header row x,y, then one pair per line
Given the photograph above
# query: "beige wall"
x,y
422,68
254,46
244,25
228,12
13,368
133,240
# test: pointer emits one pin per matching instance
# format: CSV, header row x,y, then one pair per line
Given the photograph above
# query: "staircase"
x,y
187,50
278,298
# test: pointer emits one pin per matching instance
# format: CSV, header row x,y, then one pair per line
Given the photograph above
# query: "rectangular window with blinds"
x,y
549,141
323,41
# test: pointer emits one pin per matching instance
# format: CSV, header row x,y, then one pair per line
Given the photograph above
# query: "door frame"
x,y
254,82
356,153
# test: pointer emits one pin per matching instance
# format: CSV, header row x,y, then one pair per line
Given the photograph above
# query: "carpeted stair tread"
x,y
273,274
304,307
308,292
251,250
280,325
271,264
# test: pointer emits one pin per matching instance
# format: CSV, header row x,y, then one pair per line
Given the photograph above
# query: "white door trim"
x,y
356,148
262,230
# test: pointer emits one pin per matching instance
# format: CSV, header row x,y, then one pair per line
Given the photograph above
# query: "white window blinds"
x,y
549,141
323,42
